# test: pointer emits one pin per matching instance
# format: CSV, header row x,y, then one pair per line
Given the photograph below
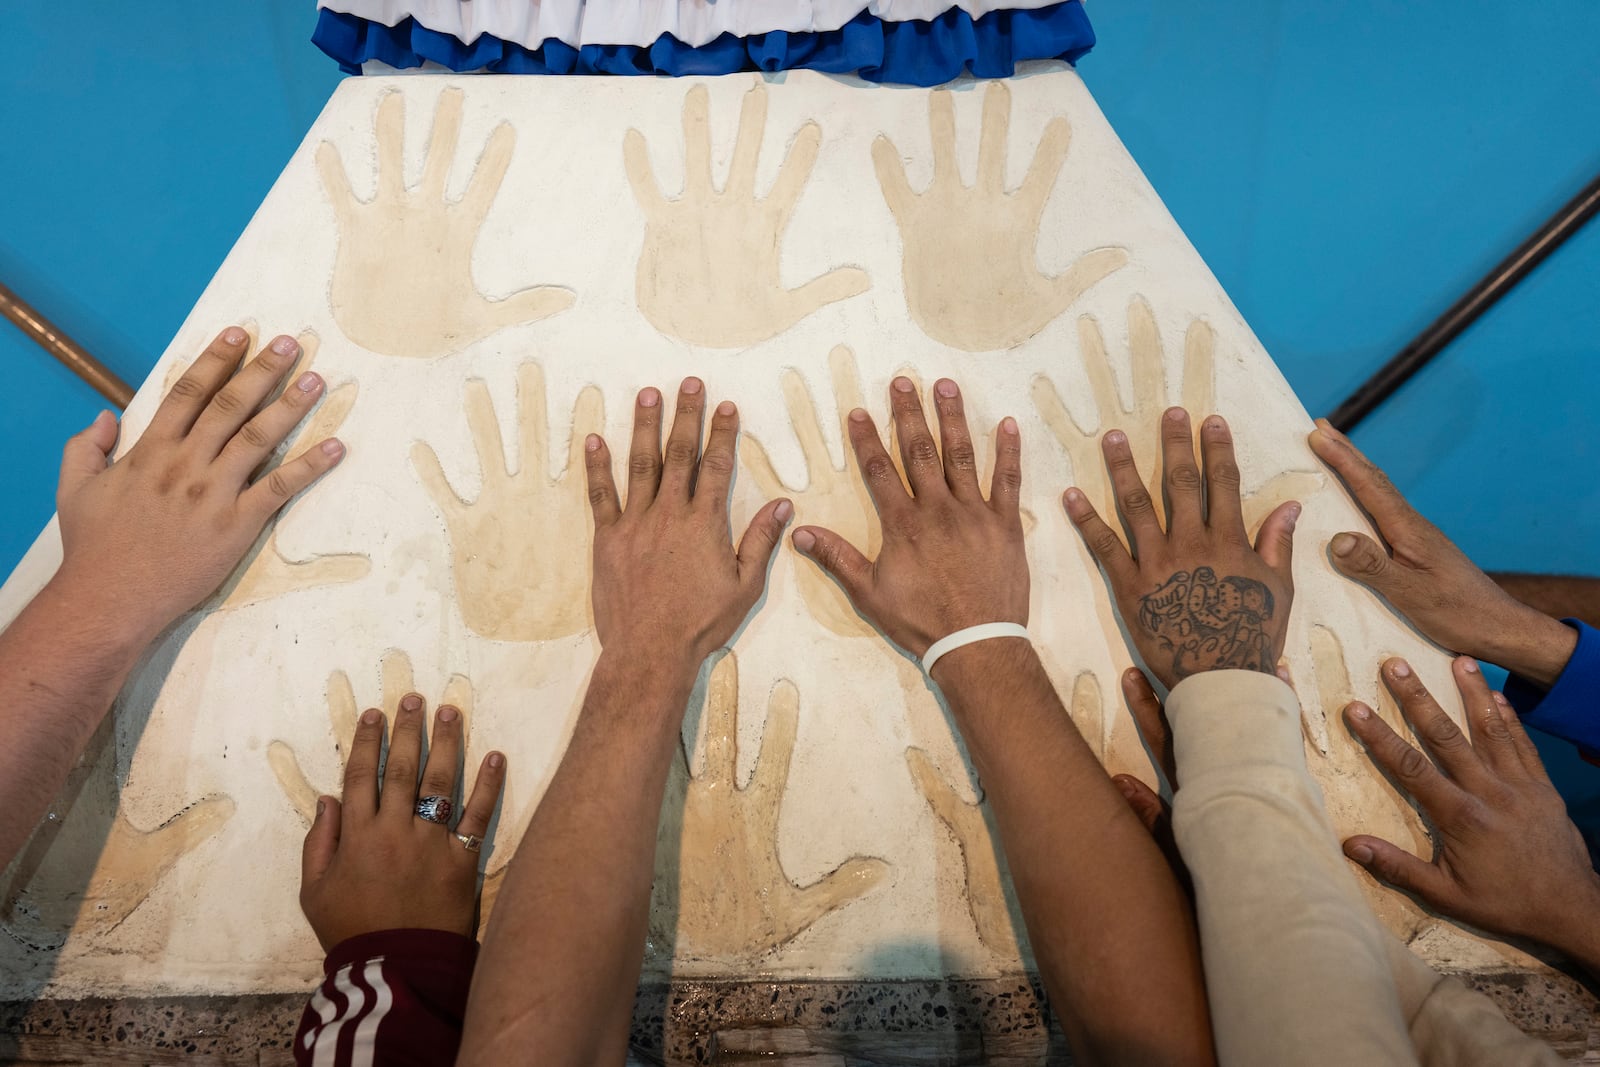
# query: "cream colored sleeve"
x,y
1296,965
1298,968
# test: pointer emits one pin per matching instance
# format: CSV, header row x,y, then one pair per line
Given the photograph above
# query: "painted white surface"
x,y
198,718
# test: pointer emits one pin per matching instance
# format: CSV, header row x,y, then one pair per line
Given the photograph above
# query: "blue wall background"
x,y
1346,169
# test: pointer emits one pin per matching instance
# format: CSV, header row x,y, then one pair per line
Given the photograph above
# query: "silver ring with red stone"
x,y
434,809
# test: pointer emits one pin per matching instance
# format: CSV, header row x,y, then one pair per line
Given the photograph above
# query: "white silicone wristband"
x,y
972,635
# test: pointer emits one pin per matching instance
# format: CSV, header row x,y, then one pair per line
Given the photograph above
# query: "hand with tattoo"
x,y
1194,595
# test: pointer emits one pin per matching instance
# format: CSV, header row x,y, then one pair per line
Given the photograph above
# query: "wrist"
x,y
1531,645
78,603
976,666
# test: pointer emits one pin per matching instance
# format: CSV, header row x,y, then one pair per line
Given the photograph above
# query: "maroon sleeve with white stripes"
x,y
391,997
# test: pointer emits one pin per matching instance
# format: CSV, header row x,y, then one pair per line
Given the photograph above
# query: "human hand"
x,y
1430,581
157,532
1195,596
950,558
370,862
1506,857
709,269
667,579
1007,300
520,575
381,300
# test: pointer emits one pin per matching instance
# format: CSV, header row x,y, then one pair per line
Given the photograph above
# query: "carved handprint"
x,y
395,681
985,896
734,900
709,269
1360,799
969,254
1152,394
1113,737
835,496
521,559
402,279
88,867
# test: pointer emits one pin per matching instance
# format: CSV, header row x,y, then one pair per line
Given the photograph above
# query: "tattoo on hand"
x,y
1209,623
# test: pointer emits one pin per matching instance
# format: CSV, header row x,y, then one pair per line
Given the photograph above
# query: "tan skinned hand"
x,y
950,558
1506,857
158,531
667,579
1195,595
370,863
1430,581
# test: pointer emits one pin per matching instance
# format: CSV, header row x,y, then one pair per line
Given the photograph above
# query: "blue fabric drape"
x,y
903,53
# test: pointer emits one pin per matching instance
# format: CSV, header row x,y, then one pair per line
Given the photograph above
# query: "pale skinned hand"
x,y
667,579
1430,581
950,558
1195,596
158,531
1506,857
370,863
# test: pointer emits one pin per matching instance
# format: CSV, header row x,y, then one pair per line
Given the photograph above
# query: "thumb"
x,y
86,453
1399,868
1359,557
842,560
1143,800
1275,539
760,540
322,840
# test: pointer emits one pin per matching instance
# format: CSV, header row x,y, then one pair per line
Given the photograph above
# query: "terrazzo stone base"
x,y
821,1024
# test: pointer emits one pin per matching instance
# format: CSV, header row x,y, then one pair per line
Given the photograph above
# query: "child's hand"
x,y
373,863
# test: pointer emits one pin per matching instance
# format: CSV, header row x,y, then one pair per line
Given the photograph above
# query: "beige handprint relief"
x,y
395,681
980,863
1109,732
1137,417
1359,798
834,495
710,269
402,277
729,896
520,549
970,253
87,867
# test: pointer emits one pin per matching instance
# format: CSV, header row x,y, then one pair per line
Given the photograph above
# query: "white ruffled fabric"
x,y
641,22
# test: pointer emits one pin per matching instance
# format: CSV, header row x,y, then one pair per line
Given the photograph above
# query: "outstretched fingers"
x,y
322,841
918,452
760,540
716,465
1394,865
1409,769
877,469
279,485
1151,719
1275,540
955,439
191,393
603,501
843,562
681,459
1102,541
1005,485
644,451
479,809
1138,507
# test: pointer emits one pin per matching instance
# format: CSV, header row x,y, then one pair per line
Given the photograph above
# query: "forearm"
x,y
1529,643
1559,596
1110,928
62,662
561,958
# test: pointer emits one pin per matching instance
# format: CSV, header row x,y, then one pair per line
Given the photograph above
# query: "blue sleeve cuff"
x,y
1570,709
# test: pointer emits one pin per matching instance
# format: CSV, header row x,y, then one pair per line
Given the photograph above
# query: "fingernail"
x,y
234,336
1073,497
649,397
371,715
1176,414
1500,698
333,448
411,702
322,805
1292,516
308,382
1469,666
591,443
725,408
1400,669
1343,544
945,387
285,345
1359,711
1008,425
1132,674
104,416
691,385
496,760
902,385
858,414
783,511
1126,787
1216,423
448,714
804,539
1116,437
1359,853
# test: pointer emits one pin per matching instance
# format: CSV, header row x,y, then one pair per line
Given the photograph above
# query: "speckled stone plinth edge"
x,y
993,1022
